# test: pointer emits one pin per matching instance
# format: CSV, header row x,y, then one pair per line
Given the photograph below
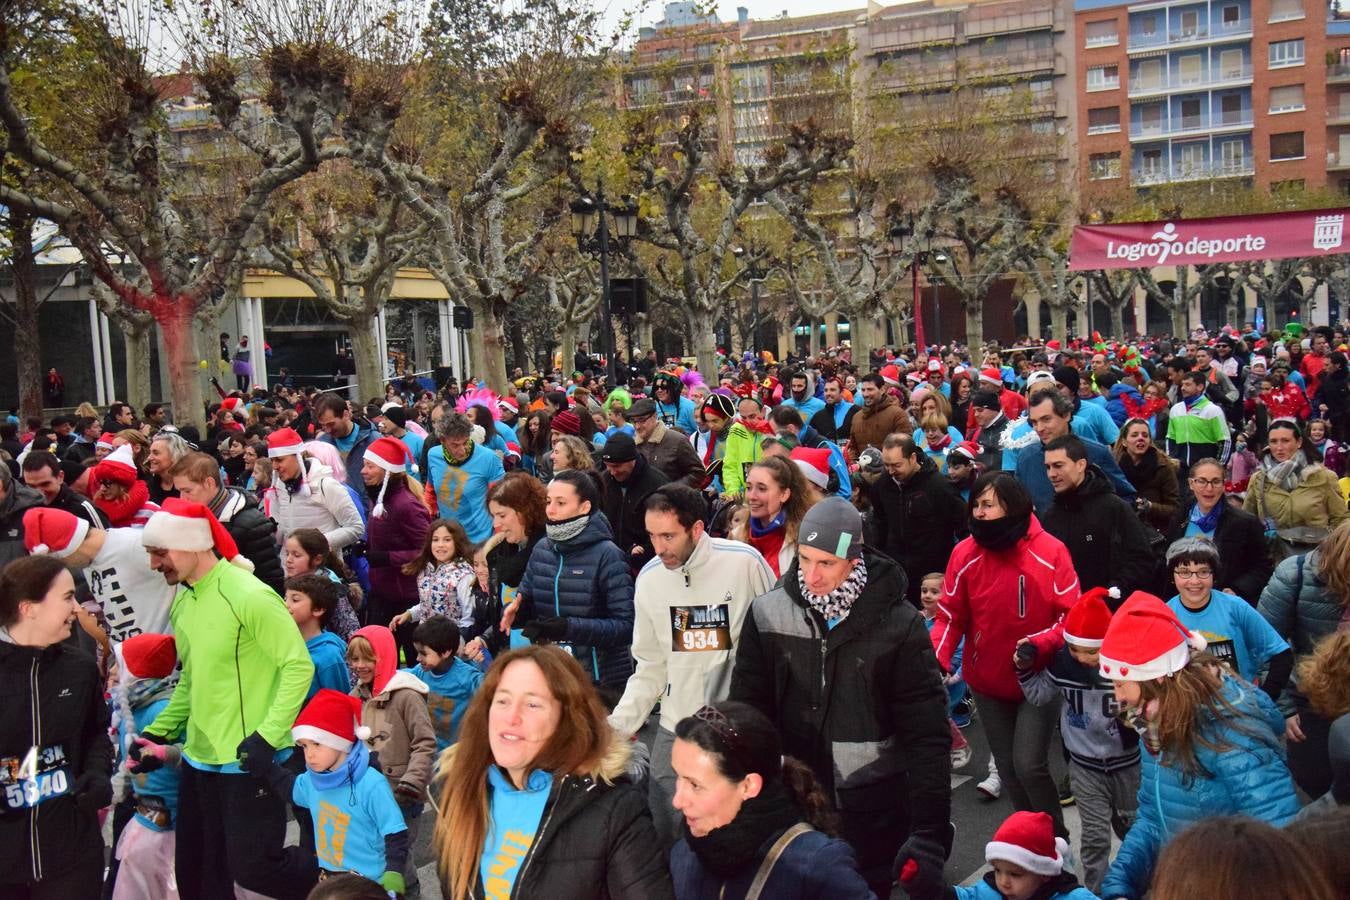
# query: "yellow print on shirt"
x,y
514,846
451,489
330,834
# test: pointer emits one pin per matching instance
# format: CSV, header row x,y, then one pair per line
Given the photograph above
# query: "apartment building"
x,y
1338,102
1181,90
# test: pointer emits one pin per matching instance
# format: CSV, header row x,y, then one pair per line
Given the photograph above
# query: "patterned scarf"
x,y
1285,474
567,529
838,602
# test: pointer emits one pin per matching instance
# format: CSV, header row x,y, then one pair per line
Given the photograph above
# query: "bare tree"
x,y
1113,288
1190,283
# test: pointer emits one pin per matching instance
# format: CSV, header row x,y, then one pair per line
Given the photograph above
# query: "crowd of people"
x,y
693,635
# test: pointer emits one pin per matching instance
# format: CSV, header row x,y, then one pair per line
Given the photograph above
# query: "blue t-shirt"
x,y
680,415
461,491
1237,634
806,408
329,655
506,432
160,787
513,821
450,694
414,444
351,821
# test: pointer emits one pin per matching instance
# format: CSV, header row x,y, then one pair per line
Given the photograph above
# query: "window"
x,y
1047,126
1285,10
1104,165
1288,145
1231,111
1230,64
1288,98
1233,155
1190,114
1286,53
1190,25
1151,118
1149,76
1104,120
1103,78
1101,34
1188,68
1148,25
1191,158
1150,162
1231,16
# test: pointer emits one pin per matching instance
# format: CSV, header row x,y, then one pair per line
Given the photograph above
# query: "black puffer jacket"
x,y
61,684
861,703
1106,540
18,499
255,535
622,503
918,522
1244,555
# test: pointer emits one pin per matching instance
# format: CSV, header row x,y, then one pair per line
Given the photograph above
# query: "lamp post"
x,y
755,269
591,228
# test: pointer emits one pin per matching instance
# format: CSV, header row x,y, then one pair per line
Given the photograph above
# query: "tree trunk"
x,y
974,325
703,342
1178,312
1059,321
27,343
487,347
519,351
814,345
1267,300
180,343
136,338
370,362
1117,320
567,335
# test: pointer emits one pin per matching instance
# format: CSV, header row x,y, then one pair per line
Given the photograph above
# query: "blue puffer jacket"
x,y
1249,778
586,580
1301,607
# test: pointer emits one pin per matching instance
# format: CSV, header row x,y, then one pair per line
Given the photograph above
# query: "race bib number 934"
x,y
697,629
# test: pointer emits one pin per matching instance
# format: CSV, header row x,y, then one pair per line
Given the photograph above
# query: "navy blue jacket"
x,y
813,866
587,581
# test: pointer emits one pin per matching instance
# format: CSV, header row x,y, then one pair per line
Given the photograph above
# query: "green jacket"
x,y
743,451
245,666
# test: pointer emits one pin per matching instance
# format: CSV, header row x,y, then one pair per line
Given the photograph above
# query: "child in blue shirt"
x,y
958,694
357,823
451,680
310,599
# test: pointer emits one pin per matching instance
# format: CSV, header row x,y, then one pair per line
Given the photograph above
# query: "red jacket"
x,y
1289,402
993,599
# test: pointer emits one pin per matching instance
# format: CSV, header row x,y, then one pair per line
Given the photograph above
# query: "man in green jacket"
x,y
245,675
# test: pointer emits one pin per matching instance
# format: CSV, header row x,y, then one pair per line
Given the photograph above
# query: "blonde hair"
x,y
934,422
944,406
1333,563
578,454
359,648
1324,675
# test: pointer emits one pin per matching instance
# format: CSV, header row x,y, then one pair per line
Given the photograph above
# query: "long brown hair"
x,y
1333,563
788,476
1237,858
463,546
522,492
576,747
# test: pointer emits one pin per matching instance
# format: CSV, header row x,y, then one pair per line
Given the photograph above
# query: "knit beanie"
x,y
833,525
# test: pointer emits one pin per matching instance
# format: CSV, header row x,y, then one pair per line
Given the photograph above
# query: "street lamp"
x,y
754,268
591,228
901,234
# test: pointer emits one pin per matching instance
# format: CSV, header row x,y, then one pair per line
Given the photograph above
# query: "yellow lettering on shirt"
x,y
510,853
451,488
330,834
442,710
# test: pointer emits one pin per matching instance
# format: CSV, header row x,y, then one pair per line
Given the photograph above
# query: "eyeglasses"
x,y
718,721
638,420
1207,482
1192,574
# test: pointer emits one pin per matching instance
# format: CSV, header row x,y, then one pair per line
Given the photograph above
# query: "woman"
x,y
240,364
534,801
395,535
570,452
54,736
933,403
776,498
1152,472
1305,601
1292,490
1239,858
1238,534
963,388
740,798
517,504
253,451
305,493
1008,555
1332,453
534,440
1209,742
232,462
1155,393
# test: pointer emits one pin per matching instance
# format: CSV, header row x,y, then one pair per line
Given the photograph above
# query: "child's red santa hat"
x,y
118,467
391,455
331,719
969,449
1087,621
1146,641
105,440
183,525
1027,840
230,404
53,532
147,655
814,463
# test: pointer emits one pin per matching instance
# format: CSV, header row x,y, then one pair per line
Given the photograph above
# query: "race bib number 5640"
x,y
695,629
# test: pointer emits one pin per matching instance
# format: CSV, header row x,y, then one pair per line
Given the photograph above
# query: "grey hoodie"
x,y
18,499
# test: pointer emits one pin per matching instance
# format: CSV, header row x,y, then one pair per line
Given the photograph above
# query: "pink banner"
x,y
1286,235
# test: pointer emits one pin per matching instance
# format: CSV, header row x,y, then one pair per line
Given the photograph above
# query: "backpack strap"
x,y
771,858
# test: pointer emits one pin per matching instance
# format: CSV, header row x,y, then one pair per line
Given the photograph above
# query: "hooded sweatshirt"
x,y
395,711
329,655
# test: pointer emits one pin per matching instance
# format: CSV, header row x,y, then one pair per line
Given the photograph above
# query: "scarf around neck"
x,y
567,528
999,534
1207,522
735,847
1287,474
839,602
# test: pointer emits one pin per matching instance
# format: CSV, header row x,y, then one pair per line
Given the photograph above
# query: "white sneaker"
x,y
991,787
960,756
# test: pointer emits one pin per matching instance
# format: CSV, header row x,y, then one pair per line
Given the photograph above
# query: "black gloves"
x,y
1024,656
377,557
254,754
551,629
93,791
918,868
408,793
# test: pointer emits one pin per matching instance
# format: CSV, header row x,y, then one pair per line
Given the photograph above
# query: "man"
x,y
42,472
64,427
1050,415
744,440
625,484
458,475
581,360
509,418
166,449
843,667
16,499
197,478
672,408
120,416
1196,427
880,415
86,435
990,423
1011,403
936,378
689,605
155,416
916,513
344,369
787,422
666,450
1219,388
802,397
352,438
1314,362
245,673
394,423
1106,540
1090,420
834,420
133,598
1226,360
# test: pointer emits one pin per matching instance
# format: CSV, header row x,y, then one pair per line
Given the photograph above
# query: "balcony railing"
x,y
1237,168
1338,72
1337,160
1197,34
1176,126
1337,116
1168,82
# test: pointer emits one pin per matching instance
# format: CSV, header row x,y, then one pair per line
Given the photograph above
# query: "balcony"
x,y
1337,116
1338,74
1172,83
1337,161
1189,126
1233,168
1191,37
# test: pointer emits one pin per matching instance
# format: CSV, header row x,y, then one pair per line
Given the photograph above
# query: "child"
x,y
306,552
1028,864
1103,753
310,600
451,681
144,675
958,701
445,577
357,823
395,710
1211,742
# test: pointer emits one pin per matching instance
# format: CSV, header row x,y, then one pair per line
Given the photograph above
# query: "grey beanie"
x,y
833,525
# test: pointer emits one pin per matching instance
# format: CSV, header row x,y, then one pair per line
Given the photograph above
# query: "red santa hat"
x,y
391,455
934,365
1053,345
814,463
969,449
230,404
508,403
285,442
992,377
53,532
105,440
890,375
331,719
1087,621
147,655
183,525
1146,641
118,467
1027,840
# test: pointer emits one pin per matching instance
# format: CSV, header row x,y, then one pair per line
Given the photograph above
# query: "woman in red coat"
x,y
1009,580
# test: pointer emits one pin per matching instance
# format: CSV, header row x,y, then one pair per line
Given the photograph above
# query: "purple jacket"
x,y
401,532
